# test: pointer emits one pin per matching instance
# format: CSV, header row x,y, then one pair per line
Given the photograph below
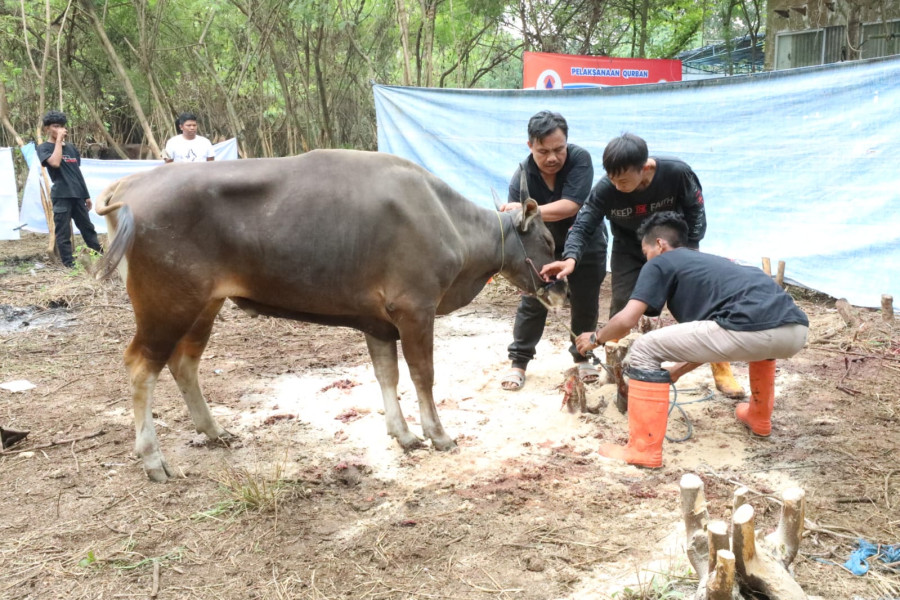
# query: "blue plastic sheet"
x,y
798,165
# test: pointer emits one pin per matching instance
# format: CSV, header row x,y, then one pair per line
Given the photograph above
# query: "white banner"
x,y
9,201
97,174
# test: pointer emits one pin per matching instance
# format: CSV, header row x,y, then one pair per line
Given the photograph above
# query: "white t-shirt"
x,y
195,150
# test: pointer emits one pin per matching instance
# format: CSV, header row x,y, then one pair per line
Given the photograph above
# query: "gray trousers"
x,y
706,342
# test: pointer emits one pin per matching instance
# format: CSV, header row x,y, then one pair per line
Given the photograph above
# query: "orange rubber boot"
x,y
725,381
757,414
648,415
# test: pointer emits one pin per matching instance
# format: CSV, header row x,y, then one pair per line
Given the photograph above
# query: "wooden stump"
x,y
740,567
758,571
695,515
615,356
887,307
847,313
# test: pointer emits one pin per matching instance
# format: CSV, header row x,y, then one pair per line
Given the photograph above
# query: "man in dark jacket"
x,y
70,196
559,176
636,186
725,311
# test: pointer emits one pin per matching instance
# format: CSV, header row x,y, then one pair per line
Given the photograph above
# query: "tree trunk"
x,y
119,68
403,21
4,115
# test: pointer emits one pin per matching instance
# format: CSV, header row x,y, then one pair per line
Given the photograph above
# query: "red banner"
x,y
547,71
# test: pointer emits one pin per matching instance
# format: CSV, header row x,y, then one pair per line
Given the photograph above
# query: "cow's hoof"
x,y
159,473
444,444
409,442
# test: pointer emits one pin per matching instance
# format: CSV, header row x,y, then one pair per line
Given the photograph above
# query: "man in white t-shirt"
x,y
188,146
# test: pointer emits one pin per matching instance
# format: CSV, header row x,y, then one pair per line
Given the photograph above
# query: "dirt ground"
x,y
314,500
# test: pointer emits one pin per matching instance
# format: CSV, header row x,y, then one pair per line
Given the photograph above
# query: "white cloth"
x,y
9,197
98,174
198,149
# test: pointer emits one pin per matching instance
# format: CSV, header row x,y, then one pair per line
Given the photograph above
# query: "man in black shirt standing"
x,y
725,311
559,176
70,196
636,186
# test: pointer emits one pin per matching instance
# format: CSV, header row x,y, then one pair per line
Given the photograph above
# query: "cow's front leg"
x,y
417,337
384,360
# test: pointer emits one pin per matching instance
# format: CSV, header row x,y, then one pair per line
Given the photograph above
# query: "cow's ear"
x,y
530,210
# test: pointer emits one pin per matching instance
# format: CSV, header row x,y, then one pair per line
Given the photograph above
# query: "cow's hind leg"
x,y
184,364
417,336
384,359
143,370
160,328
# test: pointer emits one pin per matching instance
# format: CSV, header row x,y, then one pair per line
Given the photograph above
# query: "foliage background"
x,y
286,76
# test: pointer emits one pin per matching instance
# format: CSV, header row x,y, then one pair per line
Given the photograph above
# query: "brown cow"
x,y
339,237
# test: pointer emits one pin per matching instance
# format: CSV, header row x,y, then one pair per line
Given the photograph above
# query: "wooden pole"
x,y
847,313
779,277
47,204
887,307
767,266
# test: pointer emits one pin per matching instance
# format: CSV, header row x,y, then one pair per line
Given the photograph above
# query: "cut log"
x,y
847,313
758,572
615,356
739,499
717,539
887,307
767,266
695,515
779,276
785,540
720,585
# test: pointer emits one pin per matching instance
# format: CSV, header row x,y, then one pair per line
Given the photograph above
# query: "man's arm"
x,y
618,327
693,207
55,158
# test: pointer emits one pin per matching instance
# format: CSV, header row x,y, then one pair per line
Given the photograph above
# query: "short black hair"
x,y
544,123
183,118
668,225
624,153
55,117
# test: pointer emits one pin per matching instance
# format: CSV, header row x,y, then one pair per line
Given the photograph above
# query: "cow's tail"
x,y
122,235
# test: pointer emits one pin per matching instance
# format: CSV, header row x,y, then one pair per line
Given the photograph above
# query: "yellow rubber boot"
x,y
725,381
757,414
648,415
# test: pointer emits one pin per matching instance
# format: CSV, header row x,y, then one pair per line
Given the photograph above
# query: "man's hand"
x,y
559,269
88,204
510,206
61,135
586,341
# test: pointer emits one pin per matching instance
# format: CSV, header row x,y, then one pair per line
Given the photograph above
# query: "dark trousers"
x,y
584,299
64,211
624,267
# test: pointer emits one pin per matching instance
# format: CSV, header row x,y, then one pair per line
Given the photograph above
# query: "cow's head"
x,y
530,248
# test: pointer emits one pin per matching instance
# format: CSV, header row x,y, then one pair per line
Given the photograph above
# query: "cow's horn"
x,y
523,188
496,197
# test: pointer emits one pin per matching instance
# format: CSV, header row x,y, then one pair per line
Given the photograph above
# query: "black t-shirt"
x,y
674,187
573,182
704,287
68,182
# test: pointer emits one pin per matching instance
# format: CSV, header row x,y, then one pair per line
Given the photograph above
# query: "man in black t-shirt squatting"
x,y
559,176
725,311
70,196
636,186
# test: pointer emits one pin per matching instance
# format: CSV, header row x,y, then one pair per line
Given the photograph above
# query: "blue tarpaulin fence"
x,y
798,165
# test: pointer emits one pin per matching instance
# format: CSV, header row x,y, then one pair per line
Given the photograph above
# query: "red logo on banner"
x,y
548,71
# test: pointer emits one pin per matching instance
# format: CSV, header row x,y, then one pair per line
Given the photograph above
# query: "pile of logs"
x,y
749,563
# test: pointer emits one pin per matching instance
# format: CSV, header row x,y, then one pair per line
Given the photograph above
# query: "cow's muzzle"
x,y
552,293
